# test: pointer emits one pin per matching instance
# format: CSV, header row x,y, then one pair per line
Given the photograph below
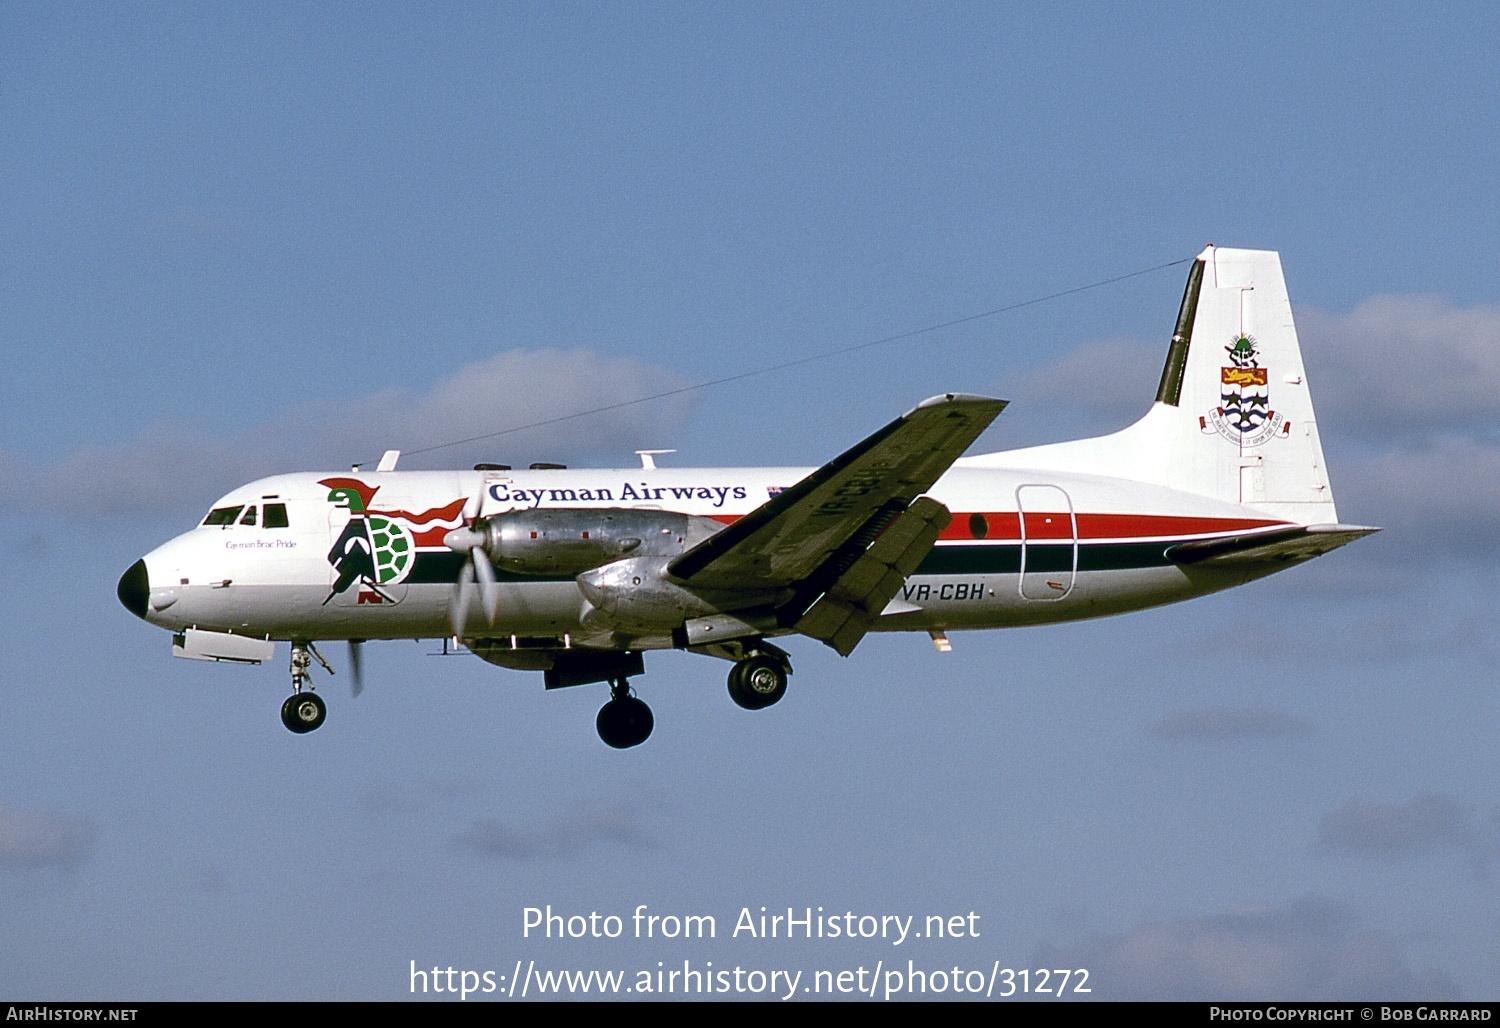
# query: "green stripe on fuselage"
x,y
1005,558
432,567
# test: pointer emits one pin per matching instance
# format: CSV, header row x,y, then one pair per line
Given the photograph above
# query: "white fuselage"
x,y
1024,547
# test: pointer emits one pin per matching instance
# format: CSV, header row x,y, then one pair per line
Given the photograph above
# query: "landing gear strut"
x,y
758,681
304,711
624,721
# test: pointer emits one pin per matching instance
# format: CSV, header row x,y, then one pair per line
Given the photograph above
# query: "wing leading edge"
x,y
840,542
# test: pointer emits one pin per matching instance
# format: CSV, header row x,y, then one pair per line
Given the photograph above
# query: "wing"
x,y
849,533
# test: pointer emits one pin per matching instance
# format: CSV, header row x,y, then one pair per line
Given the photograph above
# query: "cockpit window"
x,y
221,516
275,516
249,518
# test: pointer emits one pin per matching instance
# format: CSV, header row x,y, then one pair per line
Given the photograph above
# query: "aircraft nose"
x,y
134,589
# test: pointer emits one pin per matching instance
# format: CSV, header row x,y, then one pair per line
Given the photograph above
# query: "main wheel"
x,y
304,711
624,722
757,682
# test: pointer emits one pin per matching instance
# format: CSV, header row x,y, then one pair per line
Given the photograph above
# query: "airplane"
x,y
579,573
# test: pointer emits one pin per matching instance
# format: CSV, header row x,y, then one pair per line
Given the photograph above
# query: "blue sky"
x,y
285,237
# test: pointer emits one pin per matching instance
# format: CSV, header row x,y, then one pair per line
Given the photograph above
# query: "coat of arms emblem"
x,y
1244,413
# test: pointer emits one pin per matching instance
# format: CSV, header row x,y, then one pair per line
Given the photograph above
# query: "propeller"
x,y
356,668
477,571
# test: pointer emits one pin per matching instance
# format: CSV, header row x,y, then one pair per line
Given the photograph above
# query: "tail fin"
x,y
1233,418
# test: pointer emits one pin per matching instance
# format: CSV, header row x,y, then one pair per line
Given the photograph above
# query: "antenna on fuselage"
x,y
648,457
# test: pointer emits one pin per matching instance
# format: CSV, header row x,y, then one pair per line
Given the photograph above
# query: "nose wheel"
x,y
303,712
624,721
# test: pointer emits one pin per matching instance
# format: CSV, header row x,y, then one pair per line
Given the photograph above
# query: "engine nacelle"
x,y
636,594
568,542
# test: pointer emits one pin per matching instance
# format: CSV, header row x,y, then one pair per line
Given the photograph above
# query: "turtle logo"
x,y
372,551
1244,414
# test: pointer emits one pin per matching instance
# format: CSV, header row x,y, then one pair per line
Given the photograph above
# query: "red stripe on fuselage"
x,y
1005,526
1058,525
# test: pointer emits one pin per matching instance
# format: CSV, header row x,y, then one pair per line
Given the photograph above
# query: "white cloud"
x,y
1405,366
1109,382
1307,950
1393,369
509,390
1437,497
169,467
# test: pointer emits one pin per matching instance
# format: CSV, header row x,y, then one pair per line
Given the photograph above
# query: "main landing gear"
x,y
304,712
758,681
624,721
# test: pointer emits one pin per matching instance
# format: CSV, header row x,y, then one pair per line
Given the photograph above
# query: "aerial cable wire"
x,y
825,355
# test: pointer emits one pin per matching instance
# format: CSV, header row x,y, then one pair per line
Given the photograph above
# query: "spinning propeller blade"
x,y
477,570
489,591
458,605
356,667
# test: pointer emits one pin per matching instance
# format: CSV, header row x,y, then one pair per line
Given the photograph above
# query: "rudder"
x,y
1245,428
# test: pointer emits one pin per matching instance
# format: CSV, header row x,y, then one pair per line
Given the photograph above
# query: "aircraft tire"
x,y
303,712
625,722
757,682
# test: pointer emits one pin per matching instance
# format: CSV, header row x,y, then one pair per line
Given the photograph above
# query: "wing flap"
x,y
842,615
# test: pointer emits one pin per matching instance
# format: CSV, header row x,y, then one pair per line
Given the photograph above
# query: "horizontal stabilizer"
x,y
1277,546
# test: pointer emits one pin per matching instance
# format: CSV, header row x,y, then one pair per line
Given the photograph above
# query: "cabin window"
x,y
979,526
249,518
221,516
275,516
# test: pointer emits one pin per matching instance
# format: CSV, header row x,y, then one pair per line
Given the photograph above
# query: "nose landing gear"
x,y
304,712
